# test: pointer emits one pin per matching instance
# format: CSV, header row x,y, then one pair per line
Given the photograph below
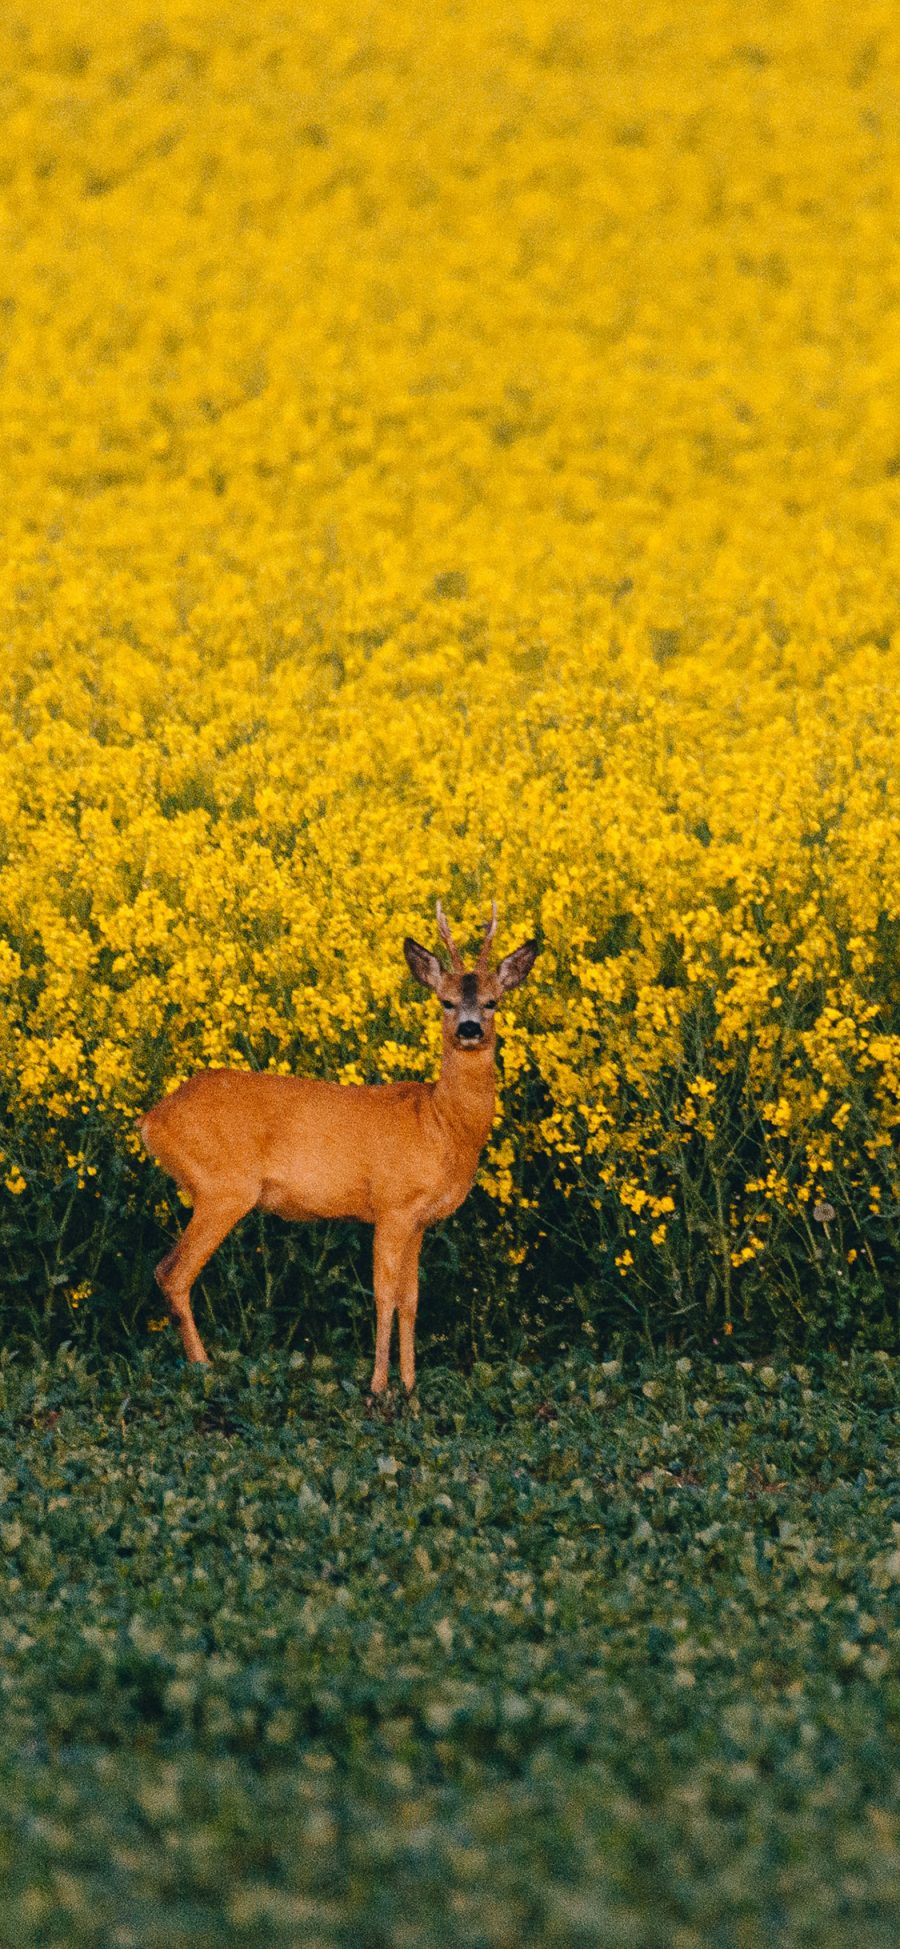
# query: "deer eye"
x,y
448,1004
490,1004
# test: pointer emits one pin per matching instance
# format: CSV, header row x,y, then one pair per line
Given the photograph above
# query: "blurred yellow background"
x,y
458,453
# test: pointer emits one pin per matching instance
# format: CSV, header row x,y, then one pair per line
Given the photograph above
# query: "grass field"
x,y
593,1655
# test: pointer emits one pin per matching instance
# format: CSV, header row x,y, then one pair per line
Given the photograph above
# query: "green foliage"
x,y
80,1241
590,1654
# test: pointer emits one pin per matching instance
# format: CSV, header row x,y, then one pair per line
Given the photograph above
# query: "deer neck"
x,y
464,1095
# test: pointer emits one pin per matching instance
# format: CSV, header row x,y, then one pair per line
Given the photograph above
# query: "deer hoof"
x,y
381,1403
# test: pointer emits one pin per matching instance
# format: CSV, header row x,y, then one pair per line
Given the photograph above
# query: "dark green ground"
x,y
570,1656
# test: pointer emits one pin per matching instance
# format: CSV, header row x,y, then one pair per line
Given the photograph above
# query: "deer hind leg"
x,y
175,1274
396,1251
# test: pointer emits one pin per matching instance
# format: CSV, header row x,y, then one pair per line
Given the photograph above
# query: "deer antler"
x,y
447,938
489,932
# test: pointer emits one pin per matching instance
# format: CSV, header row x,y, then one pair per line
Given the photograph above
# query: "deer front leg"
x,y
407,1304
396,1251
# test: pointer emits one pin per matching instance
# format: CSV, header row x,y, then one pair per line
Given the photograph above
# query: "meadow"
x,y
599,1654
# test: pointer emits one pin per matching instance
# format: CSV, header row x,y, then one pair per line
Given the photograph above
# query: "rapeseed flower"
x,y
458,455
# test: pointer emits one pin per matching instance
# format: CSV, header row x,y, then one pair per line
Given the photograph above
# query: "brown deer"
x,y
397,1155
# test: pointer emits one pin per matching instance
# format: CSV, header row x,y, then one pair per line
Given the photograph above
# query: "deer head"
x,y
469,997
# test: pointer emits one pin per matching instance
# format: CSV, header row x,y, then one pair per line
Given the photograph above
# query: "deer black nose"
x,y
470,1032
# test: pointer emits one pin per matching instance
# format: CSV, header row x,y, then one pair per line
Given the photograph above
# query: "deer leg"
x,y
407,1304
392,1244
175,1274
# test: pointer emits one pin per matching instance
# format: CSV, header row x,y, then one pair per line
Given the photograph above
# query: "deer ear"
x,y
516,966
425,966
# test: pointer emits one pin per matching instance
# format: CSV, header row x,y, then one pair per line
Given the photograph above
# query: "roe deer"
x,y
397,1155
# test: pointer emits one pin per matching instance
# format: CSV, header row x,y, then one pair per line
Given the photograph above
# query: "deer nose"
x,y
470,1032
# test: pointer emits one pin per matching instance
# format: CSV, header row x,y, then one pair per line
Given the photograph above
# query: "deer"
x,y
398,1156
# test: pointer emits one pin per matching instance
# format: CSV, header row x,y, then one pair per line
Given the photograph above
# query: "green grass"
x,y
585,1655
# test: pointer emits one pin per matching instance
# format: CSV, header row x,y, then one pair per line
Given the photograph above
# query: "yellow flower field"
x,y
458,453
